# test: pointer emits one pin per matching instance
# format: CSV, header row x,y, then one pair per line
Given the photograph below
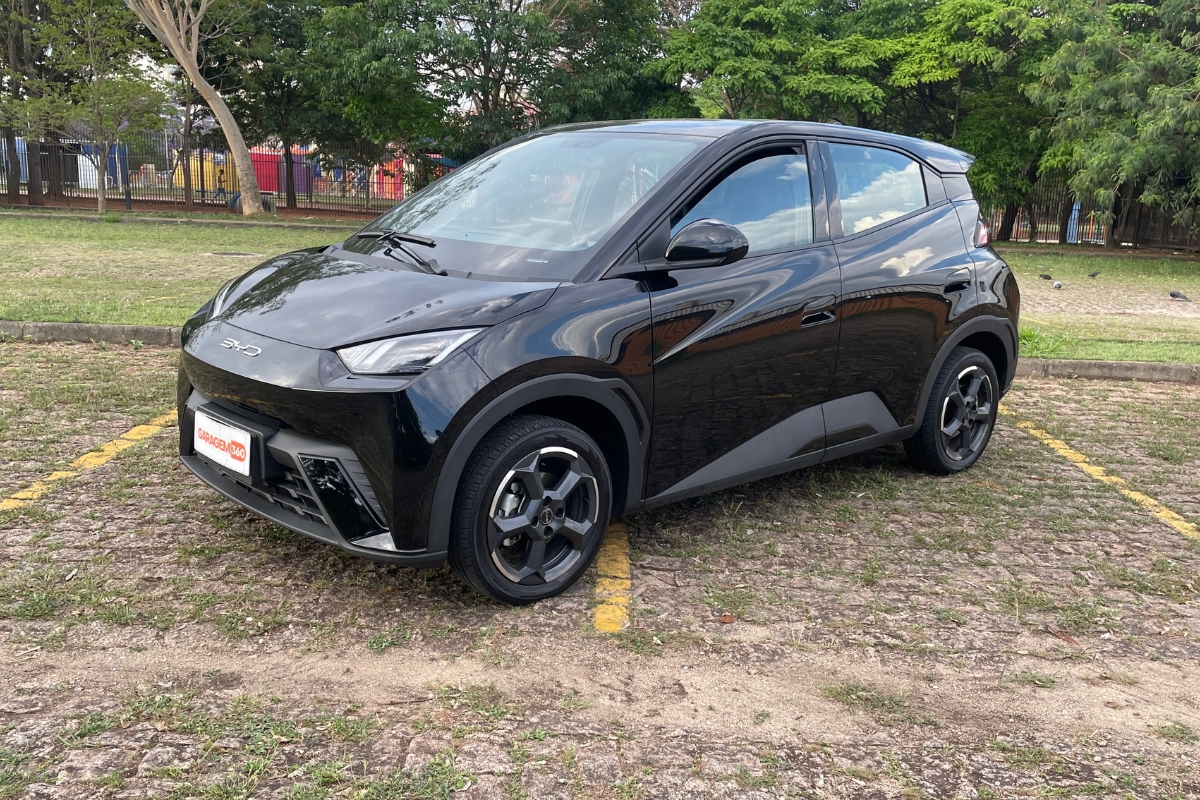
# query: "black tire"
x,y
235,203
958,421
508,506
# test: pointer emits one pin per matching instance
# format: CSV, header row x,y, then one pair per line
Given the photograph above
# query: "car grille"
x,y
291,493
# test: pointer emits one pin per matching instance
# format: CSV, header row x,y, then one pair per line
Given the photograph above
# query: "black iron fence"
x,y
167,171
1052,215
154,171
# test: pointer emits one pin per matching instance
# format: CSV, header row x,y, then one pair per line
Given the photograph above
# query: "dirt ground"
x,y
1020,630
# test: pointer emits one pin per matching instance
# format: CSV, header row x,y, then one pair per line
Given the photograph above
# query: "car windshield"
x,y
536,208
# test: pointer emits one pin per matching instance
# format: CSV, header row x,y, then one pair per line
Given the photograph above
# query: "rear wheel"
x,y
532,506
960,416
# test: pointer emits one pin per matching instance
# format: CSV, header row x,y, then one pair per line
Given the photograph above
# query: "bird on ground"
x,y
1181,297
1093,274
1058,284
1045,277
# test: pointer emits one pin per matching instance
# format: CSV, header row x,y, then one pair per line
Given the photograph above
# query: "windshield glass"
x,y
534,209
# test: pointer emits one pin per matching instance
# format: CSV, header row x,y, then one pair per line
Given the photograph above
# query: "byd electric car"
x,y
594,320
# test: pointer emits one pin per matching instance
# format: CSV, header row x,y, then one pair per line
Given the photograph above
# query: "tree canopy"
x,y
1103,94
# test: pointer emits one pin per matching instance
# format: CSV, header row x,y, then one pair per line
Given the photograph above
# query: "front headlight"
x,y
403,353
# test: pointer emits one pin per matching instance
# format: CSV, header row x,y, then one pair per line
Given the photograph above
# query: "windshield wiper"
x,y
397,240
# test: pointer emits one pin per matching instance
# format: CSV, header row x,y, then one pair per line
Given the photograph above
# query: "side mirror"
x,y
708,243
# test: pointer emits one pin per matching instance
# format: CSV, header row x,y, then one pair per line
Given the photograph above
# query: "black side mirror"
x,y
707,243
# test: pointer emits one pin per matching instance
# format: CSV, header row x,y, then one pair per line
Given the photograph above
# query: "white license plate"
x,y
224,444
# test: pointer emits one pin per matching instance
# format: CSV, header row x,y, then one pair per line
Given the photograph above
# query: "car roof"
x,y
942,158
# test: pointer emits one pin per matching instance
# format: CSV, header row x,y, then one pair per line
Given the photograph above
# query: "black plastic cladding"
x,y
669,372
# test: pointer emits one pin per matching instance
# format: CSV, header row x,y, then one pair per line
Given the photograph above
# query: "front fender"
x,y
614,394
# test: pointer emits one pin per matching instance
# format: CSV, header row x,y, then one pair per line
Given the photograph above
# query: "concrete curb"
x,y
1149,371
231,223
152,335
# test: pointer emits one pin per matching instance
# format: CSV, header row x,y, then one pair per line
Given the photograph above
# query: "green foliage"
x,y
1123,86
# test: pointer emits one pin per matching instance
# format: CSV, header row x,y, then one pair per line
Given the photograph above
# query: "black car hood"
x,y
332,299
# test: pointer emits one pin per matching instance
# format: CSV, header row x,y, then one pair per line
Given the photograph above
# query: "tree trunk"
x,y
33,160
33,144
1110,230
101,179
289,176
185,154
1006,223
1064,219
54,179
13,173
247,180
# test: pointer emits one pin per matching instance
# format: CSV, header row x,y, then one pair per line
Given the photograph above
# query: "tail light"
x,y
983,234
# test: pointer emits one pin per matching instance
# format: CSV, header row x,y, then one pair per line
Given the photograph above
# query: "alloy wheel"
x,y
966,414
542,516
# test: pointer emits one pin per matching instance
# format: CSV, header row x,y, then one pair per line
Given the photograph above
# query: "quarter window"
x,y
768,199
875,186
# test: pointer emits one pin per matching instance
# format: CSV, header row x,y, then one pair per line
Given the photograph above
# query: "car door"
x,y
745,353
906,274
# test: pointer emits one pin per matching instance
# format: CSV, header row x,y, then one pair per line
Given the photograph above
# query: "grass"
x,y
1109,337
62,270
886,709
1176,732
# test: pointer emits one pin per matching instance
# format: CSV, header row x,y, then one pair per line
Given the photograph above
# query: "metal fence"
x,y
1052,215
161,171
165,172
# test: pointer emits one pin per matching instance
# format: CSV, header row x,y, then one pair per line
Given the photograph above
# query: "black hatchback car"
x,y
593,320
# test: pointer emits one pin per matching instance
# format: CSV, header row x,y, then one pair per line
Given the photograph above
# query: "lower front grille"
x,y
292,494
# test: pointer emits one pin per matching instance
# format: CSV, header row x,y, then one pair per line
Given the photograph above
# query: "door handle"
x,y
959,281
818,310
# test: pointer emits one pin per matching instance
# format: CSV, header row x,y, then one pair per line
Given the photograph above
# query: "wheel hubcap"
x,y
966,413
542,516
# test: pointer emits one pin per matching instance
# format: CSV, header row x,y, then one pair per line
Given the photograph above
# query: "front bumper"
x,y
307,485
353,462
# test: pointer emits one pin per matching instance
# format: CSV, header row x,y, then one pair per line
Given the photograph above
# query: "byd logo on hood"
x,y
244,349
235,450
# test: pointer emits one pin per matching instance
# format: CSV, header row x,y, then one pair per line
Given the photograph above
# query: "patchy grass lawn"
x,y
57,401
1123,314
61,270
806,635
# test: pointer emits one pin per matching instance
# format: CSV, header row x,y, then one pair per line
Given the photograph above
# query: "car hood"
x,y
332,299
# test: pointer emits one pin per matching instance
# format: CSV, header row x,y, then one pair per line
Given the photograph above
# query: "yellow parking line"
x,y
1080,460
88,461
612,588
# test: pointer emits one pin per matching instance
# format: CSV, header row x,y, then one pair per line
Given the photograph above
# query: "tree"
x,y
92,41
180,26
407,66
600,67
785,60
1124,88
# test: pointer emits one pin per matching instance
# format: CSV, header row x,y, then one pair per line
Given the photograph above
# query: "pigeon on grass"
x,y
1181,297
1093,274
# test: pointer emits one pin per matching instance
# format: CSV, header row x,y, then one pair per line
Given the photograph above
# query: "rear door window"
x,y
874,186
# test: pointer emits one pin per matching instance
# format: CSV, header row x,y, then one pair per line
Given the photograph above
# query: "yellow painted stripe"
x,y
1080,460
613,585
91,460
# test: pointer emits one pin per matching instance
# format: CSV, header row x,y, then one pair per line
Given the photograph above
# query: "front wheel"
x,y
960,416
532,506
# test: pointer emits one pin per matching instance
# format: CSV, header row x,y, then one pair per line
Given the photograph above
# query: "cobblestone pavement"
x,y
856,630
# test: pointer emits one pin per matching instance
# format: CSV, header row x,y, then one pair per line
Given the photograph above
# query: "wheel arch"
x,y
995,337
607,409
